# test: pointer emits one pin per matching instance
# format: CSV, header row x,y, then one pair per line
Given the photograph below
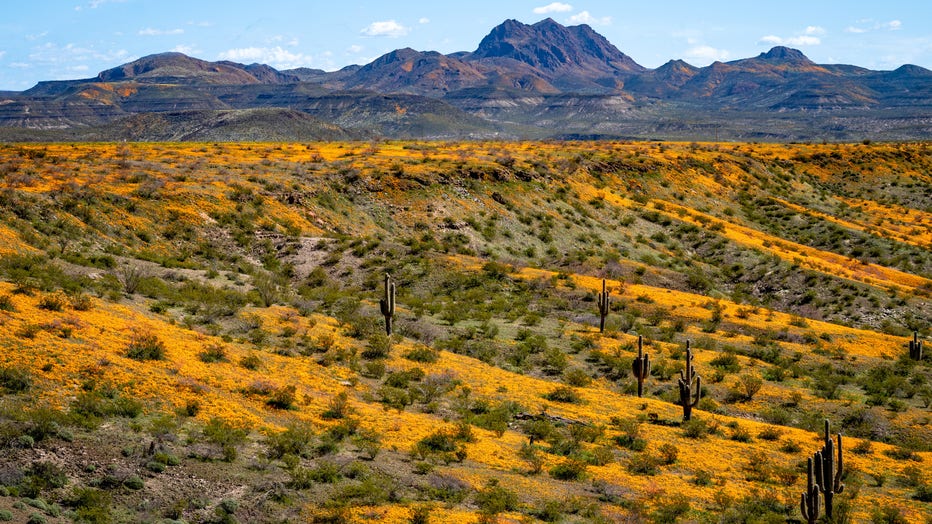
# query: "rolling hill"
x,y
193,332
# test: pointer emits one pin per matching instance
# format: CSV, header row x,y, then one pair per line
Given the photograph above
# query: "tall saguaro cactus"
x,y
387,304
810,502
689,393
828,473
915,347
604,305
641,367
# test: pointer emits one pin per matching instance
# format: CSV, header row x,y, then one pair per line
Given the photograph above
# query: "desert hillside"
x,y
194,332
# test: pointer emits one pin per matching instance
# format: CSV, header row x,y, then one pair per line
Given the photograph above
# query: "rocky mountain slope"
x,y
530,81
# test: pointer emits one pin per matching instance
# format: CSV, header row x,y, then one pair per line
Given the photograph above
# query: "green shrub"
x,y
564,394
251,362
6,515
568,470
282,398
53,302
221,433
6,303
213,353
494,499
293,441
145,346
15,380
422,353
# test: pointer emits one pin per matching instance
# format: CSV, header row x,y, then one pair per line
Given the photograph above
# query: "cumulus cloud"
x,y
867,24
389,28
583,17
806,39
423,20
160,32
355,49
555,7
705,54
186,49
274,56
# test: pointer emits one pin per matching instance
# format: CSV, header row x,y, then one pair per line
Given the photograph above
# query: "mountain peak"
x,y
785,54
553,48
179,68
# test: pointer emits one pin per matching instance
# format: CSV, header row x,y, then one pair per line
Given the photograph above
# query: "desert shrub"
x,y
670,510
337,408
668,453
441,445
422,353
923,492
568,470
727,362
494,499
53,302
770,433
696,428
643,464
378,346
576,377
251,362
564,394
293,441
81,302
282,398
221,433
888,515
145,346
15,379
213,353
6,303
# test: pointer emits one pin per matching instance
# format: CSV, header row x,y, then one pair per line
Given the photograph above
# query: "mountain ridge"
x,y
522,81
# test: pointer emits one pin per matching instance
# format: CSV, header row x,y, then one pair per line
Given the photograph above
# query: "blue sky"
x,y
67,39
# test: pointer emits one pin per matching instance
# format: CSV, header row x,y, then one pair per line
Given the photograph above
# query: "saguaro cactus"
x,y
810,502
604,305
828,474
915,347
387,304
689,394
641,367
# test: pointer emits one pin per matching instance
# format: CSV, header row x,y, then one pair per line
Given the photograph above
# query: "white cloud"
x,y
423,20
583,17
2,54
160,32
36,36
389,28
355,49
892,25
555,7
274,56
704,54
815,30
189,50
20,65
799,40
866,25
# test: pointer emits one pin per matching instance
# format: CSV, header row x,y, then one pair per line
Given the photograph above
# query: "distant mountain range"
x,y
523,81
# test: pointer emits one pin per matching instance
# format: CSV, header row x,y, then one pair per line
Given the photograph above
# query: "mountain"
x,y
521,81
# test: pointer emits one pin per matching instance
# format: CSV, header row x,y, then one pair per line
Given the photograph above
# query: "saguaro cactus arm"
x,y
641,367
689,394
387,304
915,347
810,500
604,305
